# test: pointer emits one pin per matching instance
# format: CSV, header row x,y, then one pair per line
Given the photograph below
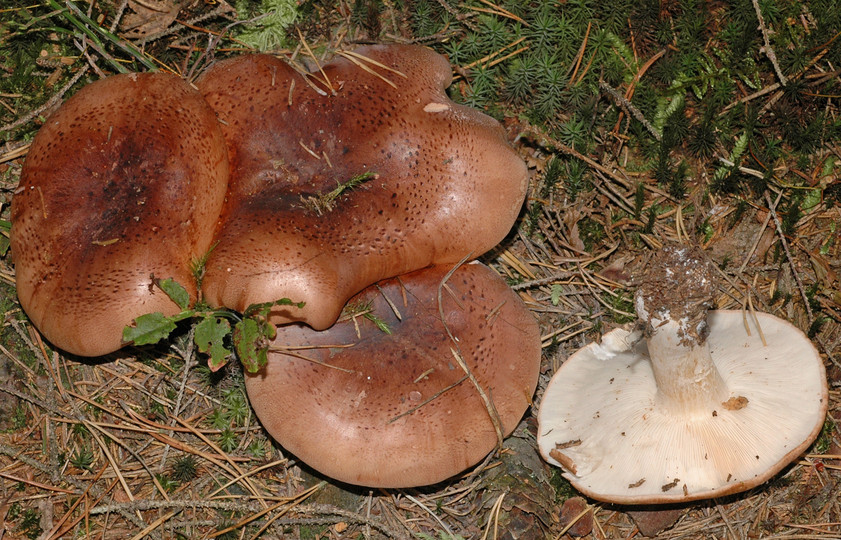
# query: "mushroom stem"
x,y
672,304
686,377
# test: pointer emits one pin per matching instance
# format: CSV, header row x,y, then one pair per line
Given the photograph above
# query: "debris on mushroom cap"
x,y
440,180
396,409
691,411
125,181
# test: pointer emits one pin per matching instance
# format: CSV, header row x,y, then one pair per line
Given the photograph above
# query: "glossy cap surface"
x,y
124,181
444,182
396,409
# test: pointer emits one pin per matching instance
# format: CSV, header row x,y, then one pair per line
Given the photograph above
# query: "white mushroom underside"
x,y
600,415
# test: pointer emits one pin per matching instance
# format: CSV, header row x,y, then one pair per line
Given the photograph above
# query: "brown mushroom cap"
x,y
396,410
447,183
124,181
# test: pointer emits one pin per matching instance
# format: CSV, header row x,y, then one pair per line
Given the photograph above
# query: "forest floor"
x,y
641,123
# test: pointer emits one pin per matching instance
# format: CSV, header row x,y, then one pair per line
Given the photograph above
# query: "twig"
x,y
494,519
489,61
628,106
431,513
223,8
83,47
430,398
232,468
189,356
784,242
718,506
543,281
745,170
81,486
55,98
326,79
759,236
769,51
759,93
460,17
119,15
254,516
121,44
755,318
456,350
578,57
547,141
141,505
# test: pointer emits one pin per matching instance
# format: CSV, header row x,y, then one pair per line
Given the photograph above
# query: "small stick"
x,y
289,352
745,311
49,104
769,51
580,55
431,513
456,350
326,79
753,314
432,397
363,67
772,210
628,106
759,236
390,304
484,60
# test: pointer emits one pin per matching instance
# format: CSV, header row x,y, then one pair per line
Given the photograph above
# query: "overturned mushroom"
x,y
703,406
396,408
357,172
125,181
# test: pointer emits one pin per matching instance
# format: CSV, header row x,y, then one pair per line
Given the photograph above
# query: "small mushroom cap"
x,y
395,409
446,184
126,180
600,419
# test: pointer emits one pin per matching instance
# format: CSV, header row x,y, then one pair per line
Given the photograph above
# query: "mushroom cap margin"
x,y
394,410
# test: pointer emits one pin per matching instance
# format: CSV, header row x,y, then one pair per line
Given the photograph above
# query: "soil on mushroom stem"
x,y
679,283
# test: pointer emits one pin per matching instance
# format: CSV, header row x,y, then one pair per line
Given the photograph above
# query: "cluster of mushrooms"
x,y
138,176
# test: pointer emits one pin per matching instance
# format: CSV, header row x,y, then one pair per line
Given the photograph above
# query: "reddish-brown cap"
x,y
395,409
446,183
124,181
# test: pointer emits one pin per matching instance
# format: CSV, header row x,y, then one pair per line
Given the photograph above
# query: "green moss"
x,y
30,525
824,440
271,19
591,232
563,489
622,303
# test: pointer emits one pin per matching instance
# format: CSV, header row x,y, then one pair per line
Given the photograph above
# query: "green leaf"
x,y
210,336
175,291
251,344
381,324
556,294
828,167
149,329
739,148
262,310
